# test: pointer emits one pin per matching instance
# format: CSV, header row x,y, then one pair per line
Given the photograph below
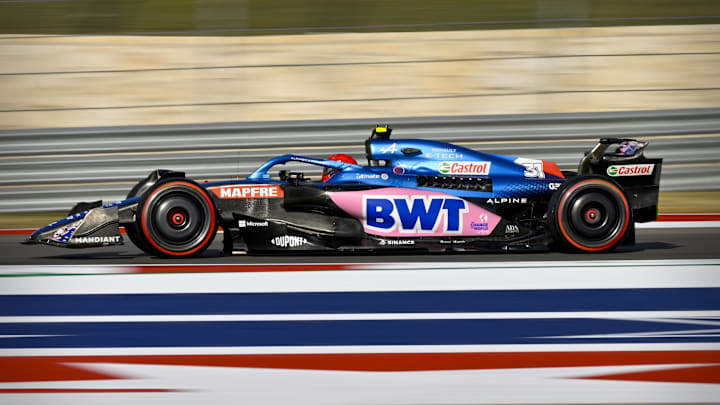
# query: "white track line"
x,y
575,347
406,277
678,224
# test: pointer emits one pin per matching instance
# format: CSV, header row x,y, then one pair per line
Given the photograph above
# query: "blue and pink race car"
x,y
413,194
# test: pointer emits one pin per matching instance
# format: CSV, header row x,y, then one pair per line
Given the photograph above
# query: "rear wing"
x,y
624,161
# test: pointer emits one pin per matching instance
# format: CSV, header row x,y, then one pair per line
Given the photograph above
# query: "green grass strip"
x,y
263,17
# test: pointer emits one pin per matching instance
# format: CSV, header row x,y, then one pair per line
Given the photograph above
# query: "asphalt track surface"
x,y
651,244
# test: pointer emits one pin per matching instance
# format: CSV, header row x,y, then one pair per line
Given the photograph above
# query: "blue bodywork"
x,y
423,157
406,159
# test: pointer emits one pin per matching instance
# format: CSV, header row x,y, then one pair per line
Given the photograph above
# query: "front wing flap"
x,y
94,228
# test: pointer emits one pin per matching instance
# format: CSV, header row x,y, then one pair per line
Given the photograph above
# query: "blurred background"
x,y
107,62
164,83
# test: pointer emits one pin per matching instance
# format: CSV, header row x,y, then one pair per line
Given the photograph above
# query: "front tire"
x,y
590,214
176,218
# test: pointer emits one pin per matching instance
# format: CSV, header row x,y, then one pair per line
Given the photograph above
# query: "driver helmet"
x,y
328,172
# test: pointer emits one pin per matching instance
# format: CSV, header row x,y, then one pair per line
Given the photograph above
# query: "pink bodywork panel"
x,y
473,220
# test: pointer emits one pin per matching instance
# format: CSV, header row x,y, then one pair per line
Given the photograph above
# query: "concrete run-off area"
x,y
70,81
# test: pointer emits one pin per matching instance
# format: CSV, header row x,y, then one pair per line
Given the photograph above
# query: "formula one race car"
x,y
413,194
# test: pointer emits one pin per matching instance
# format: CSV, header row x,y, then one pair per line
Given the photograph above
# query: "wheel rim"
x,y
594,216
179,219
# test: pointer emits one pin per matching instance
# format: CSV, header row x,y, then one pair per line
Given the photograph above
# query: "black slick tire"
x,y
590,214
176,218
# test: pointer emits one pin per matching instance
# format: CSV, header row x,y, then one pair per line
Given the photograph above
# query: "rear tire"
x,y
176,218
590,214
